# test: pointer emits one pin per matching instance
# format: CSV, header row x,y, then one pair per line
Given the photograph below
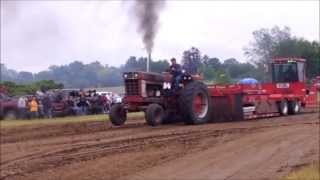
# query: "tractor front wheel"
x,y
154,114
118,115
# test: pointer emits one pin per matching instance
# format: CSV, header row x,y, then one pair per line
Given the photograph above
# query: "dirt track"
x,y
256,149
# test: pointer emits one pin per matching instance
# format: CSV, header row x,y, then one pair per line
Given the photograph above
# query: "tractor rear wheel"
x,y
294,107
118,115
154,114
195,103
283,107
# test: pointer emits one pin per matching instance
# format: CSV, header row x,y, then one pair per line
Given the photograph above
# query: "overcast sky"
x,y
37,34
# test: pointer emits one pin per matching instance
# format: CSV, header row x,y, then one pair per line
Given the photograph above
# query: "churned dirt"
x,y
253,149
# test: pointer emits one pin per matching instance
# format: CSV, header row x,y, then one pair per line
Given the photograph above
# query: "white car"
x,y
105,93
116,99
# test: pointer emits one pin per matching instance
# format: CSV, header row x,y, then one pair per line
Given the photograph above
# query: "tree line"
x,y
267,43
14,89
80,75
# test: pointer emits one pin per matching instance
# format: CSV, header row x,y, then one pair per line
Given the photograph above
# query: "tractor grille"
x,y
132,87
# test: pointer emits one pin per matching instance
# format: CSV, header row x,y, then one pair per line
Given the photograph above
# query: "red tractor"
x,y
197,103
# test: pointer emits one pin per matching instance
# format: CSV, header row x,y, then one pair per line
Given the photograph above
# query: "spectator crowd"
x,y
64,103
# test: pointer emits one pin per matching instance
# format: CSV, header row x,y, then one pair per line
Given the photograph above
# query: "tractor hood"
x,y
147,76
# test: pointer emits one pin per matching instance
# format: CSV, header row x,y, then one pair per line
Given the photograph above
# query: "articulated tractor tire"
x,y
294,107
283,107
118,115
154,114
195,103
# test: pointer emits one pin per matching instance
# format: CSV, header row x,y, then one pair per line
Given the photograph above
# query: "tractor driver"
x,y
176,71
291,75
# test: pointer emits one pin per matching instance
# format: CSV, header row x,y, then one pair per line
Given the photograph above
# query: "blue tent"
x,y
248,81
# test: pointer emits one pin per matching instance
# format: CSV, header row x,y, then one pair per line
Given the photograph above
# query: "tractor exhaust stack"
x,y
148,62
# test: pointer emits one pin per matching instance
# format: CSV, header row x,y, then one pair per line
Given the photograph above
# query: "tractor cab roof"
x,y
287,59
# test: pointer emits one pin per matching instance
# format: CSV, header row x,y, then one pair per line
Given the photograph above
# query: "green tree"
x,y
222,77
212,63
159,66
209,73
7,74
24,77
302,48
191,60
261,51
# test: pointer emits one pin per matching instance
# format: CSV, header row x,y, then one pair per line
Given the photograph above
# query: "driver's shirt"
x,y
175,69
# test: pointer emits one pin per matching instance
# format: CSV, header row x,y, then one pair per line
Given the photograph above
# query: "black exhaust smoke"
x,y
147,16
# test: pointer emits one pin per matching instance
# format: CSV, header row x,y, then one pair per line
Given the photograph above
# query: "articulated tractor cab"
x,y
287,74
289,82
154,94
288,70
